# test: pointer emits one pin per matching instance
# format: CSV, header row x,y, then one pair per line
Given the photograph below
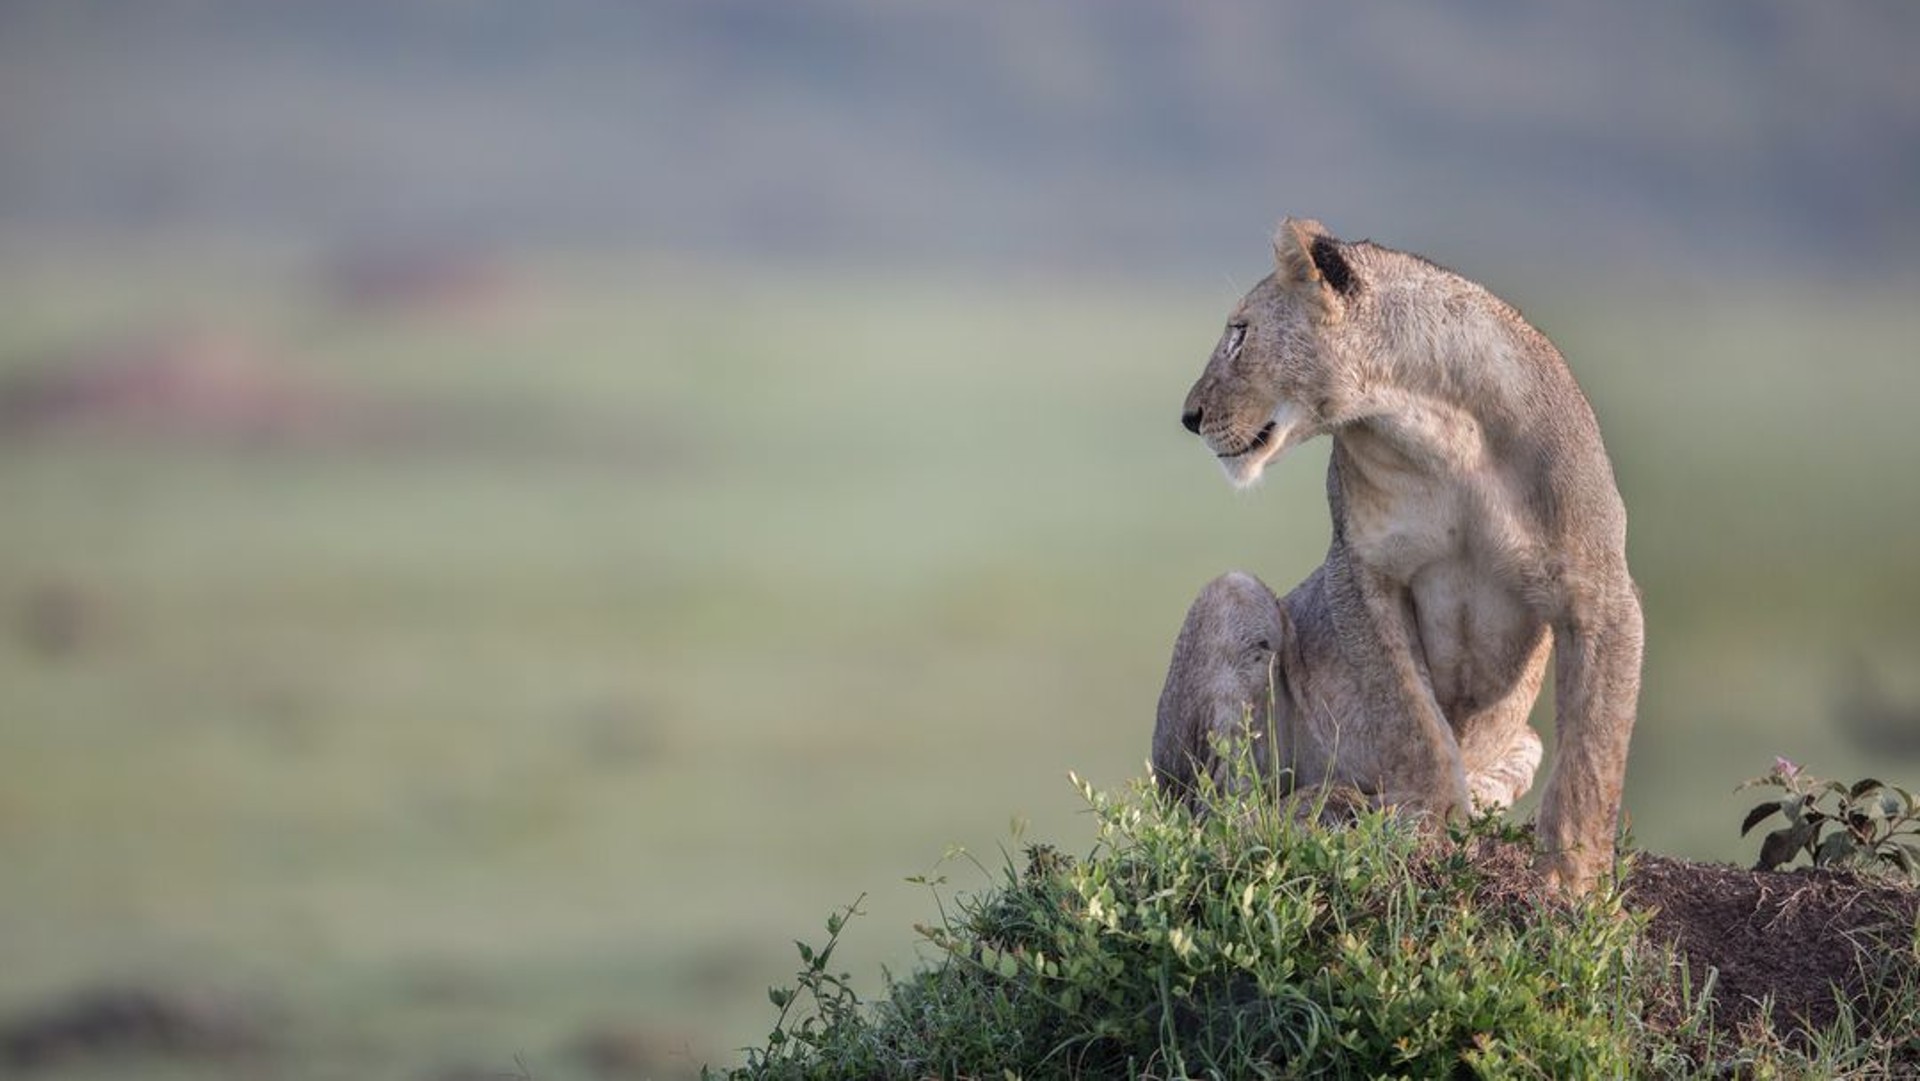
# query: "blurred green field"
x,y
593,645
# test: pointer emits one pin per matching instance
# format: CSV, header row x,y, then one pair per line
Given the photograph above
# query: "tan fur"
x,y
1477,528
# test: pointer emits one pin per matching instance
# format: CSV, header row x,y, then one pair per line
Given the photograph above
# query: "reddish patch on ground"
x,y
170,383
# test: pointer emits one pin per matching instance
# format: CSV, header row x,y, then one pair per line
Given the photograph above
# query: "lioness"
x,y
1476,529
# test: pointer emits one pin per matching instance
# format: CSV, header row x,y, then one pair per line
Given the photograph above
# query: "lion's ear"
x,y
1293,251
1308,261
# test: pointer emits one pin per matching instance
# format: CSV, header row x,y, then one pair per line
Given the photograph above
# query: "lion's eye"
x,y
1236,334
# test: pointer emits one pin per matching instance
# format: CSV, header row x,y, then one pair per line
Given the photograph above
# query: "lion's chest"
x,y
1449,547
1474,634
1397,534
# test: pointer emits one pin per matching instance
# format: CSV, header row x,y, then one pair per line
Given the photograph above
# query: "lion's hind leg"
x,y
1222,688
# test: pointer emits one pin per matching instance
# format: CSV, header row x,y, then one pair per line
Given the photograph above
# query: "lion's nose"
x,y
1191,418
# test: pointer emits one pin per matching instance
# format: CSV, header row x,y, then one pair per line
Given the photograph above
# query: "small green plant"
x,y
833,1009
1869,823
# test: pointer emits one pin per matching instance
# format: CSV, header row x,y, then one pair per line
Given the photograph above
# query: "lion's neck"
x,y
1414,434
1441,381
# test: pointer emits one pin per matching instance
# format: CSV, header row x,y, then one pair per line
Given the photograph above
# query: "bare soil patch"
x,y
1802,940
1785,946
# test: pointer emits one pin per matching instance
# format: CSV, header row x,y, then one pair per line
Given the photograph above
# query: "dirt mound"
x,y
1793,937
1789,945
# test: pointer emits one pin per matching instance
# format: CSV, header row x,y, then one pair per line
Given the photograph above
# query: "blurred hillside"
x,y
1146,137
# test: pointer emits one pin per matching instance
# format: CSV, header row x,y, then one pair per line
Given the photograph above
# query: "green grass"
x,y
1254,943
725,598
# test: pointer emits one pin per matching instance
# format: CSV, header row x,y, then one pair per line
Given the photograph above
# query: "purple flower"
x,y
1785,769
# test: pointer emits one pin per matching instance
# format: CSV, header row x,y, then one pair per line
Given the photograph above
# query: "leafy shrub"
x,y
1248,943
1255,943
1868,823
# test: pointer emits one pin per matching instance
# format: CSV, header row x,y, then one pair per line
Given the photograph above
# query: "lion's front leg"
x,y
1413,759
1222,688
1597,685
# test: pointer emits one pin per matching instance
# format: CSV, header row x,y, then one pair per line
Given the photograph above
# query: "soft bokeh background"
x,y
509,513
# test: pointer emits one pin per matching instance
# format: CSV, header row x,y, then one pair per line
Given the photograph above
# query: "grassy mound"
x,y
1253,944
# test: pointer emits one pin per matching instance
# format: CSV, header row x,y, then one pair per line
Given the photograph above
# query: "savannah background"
x,y
509,513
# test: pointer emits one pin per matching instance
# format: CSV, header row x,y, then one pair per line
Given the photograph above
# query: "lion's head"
x,y
1270,383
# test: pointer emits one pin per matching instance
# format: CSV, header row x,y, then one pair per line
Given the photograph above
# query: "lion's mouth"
x,y
1258,444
